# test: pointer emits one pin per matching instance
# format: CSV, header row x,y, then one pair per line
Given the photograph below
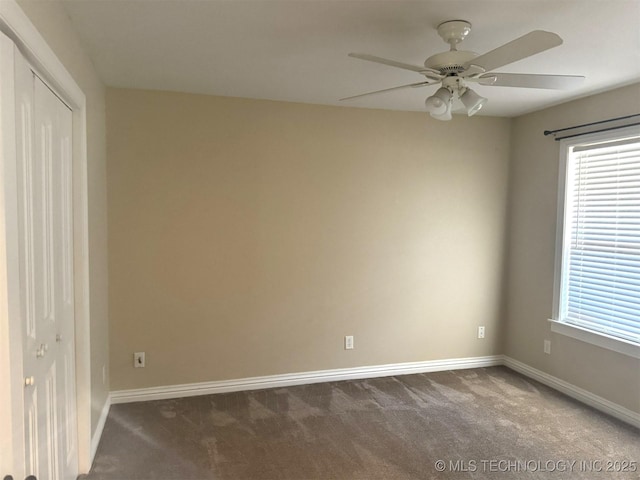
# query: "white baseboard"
x,y
285,380
95,438
578,393
290,379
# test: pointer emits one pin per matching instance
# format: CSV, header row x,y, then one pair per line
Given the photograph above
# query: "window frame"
x,y
557,324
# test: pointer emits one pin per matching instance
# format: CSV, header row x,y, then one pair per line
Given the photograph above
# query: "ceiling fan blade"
x,y
472,70
411,85
553,82
393,63
523,47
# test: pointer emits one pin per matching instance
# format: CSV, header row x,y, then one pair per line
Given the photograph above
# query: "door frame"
x,y
15,24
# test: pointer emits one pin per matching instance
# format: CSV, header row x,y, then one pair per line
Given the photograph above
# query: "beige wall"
x,y
248,237
51,20
533,200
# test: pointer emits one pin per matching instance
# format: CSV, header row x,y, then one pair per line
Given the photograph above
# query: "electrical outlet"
x,y
480,332
138,360
348,342
547,347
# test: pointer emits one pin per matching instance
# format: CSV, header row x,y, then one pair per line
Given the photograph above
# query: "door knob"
x,y
29,381
58,337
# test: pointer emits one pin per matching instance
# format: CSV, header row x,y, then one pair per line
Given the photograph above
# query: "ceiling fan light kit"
x,y
455,68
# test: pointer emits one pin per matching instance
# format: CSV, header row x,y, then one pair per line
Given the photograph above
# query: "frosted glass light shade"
x,y
472,101
438,103
445,116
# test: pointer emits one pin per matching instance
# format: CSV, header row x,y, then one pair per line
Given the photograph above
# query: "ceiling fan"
x,y
455,68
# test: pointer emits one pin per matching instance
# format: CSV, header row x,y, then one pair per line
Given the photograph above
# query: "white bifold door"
x,y
43,173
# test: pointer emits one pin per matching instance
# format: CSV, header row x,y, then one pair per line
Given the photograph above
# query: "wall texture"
x,y
533,203
248,237
51,20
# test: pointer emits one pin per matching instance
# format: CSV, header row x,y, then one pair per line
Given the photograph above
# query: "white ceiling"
x,y
297,50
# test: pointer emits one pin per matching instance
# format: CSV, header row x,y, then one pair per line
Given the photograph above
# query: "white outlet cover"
x,y
139,360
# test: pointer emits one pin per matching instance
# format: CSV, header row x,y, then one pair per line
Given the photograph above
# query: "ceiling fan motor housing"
x,y
450,62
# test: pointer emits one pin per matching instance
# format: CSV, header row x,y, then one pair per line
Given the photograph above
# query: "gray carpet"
x,y
482,423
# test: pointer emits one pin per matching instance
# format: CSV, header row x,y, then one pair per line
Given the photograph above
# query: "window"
x,y
598,259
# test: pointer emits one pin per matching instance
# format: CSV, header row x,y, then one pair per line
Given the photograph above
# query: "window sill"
x,y
598,339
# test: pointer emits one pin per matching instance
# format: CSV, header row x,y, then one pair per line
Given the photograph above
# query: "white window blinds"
x,y
601,251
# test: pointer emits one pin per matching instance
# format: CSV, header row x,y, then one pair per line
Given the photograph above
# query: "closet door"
x,y
44,126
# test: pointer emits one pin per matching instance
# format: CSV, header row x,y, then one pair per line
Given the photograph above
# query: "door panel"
x,y
51,439
27,176
24,150
65,345
31,434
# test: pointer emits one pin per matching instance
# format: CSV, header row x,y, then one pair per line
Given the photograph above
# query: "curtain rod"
x,y
553,132
557,139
